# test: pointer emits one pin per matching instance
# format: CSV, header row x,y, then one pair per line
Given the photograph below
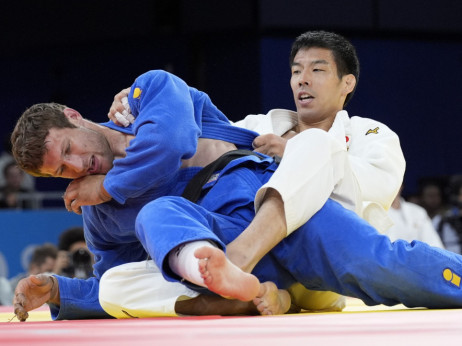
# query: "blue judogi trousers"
x,y
334,251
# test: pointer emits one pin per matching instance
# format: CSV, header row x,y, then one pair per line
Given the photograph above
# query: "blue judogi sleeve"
x,y
110,237
166,131
79,300
170,117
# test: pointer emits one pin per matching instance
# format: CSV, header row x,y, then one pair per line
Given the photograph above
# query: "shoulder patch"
x,y
376,131
451,277
137,93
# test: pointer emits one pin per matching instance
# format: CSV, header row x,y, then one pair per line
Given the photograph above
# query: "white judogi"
x,y
138,289
358,162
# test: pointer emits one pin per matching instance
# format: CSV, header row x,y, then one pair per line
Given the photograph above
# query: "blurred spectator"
x,y
74,259
42,261
9,193
411,222
449,225
432,198
6,293
28,182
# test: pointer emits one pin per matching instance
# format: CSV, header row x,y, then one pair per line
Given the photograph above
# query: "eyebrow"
x,y
321,61
63,152
315,62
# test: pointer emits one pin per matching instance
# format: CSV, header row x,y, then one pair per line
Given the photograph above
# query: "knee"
x,y
120,287
161,211
159,207
108,293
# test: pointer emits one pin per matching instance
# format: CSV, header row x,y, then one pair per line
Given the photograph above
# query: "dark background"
x,y
81,53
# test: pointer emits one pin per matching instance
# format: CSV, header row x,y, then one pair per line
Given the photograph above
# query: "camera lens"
x,y
81,257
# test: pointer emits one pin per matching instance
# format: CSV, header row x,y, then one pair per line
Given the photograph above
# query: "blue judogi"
x,y
170,117
335,250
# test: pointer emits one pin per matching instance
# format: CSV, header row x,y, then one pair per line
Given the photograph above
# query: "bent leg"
x,y
338,251
165,223
137,289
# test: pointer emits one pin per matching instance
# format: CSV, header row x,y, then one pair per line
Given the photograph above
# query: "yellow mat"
x,y
353,306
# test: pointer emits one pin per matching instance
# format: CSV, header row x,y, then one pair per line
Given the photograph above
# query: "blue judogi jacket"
x,y
170,117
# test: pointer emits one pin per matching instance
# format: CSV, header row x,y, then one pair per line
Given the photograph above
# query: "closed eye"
x,y
67,151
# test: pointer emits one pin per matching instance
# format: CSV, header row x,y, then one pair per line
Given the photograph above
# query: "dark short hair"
x,y
30,132
344,52
69,237
41,253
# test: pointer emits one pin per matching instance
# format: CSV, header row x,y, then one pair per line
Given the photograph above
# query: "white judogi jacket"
x,y
358,162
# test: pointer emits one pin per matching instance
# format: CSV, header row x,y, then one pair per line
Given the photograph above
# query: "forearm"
x,y
313,164
266,230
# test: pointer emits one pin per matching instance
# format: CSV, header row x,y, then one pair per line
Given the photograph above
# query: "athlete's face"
x,y
75,152
318,91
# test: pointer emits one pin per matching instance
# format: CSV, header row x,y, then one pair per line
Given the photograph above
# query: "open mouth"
x,y
91,168
304,97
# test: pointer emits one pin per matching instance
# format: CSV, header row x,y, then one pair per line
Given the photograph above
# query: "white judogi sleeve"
x,y
138,290
358,163
312,165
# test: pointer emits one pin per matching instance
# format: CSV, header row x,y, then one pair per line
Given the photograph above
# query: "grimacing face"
x,y
76,152
318,91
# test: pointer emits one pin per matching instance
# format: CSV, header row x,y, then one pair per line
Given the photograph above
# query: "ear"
x,y
72,115
349,82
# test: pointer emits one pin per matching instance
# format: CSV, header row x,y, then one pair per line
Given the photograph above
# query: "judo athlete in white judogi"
x,y
339,163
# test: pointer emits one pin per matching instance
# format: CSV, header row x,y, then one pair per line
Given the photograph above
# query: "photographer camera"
x,y
74,259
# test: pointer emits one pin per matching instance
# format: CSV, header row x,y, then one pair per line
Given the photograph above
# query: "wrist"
x,y
104,195
54,292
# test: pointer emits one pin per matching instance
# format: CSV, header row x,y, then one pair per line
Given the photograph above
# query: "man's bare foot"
x,y
223,277
271,301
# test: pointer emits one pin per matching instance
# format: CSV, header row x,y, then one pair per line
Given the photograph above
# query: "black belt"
x,y
193,190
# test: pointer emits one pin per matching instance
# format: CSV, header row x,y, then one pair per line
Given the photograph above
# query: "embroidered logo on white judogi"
x,y
375,131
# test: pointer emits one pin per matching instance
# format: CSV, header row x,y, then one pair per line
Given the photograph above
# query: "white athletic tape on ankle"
x,y
182,261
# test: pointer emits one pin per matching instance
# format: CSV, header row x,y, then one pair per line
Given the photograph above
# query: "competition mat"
x,y
356,325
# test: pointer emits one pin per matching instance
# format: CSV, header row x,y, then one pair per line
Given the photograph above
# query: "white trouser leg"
x,y
138,289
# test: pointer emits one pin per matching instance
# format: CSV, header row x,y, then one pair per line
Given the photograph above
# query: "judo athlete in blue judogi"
x,y
335,250
143,166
